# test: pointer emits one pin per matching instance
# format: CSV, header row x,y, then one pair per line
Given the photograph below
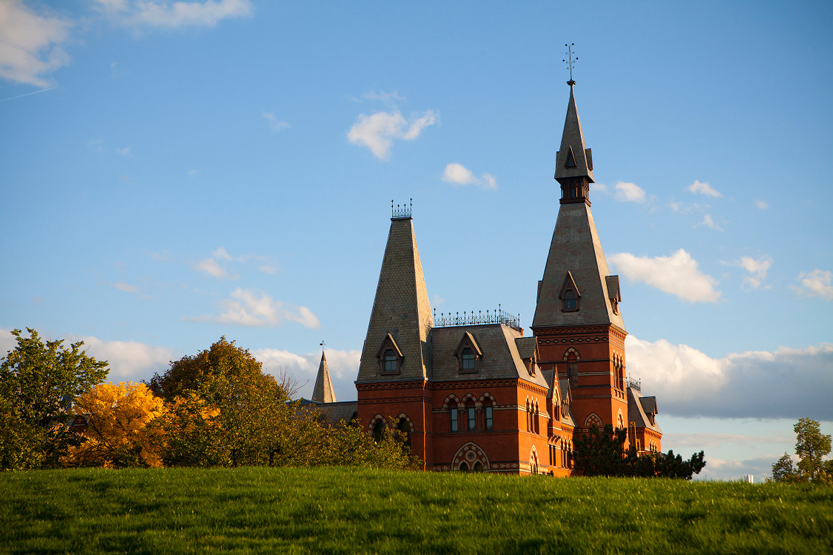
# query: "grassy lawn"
x,y
347,510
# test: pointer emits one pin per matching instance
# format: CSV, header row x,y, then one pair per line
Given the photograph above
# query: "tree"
x,y
38,383
120,430
602,453
811,446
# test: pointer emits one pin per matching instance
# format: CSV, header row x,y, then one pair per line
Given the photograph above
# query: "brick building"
x,y
473,392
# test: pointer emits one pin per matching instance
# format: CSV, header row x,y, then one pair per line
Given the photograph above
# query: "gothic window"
x,y
405,427
488,416
455,425
471,421
389,355
569,294
464,467
379,430
478,466
468,360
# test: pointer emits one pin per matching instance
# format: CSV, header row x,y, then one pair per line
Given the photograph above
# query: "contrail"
x,y
27,94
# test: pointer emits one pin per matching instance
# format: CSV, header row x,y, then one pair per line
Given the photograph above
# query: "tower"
x,y
395,367
577,322
323,390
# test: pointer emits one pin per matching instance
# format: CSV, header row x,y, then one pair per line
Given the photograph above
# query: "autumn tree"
x,y
811,446
38,383
120,427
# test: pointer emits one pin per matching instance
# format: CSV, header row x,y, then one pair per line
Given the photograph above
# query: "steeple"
x,y
323,390
573,161
396,345
576,288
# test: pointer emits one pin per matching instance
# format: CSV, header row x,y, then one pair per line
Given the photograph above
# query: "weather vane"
x,y
570,61
323,345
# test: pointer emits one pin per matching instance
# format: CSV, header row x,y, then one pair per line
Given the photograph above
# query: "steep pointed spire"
x,y
573,161
323,391
396,345
577,288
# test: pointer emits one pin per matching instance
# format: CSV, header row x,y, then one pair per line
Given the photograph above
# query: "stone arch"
x,y
470,454
374,420
448,400
533,460
568,352
469,396
488,396
407,419
593,419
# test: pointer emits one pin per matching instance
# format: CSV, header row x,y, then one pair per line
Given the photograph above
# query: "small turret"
x,y
323,391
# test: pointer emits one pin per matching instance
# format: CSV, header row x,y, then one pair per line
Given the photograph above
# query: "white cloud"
x,y
249,307
629,192
124,151
126,287
709,222
129,360
458,174
267,269
817,283
30,43
211,267
221,253
761,205
676,274
703,189
274,122
390,98
173,15
785,383
343,367
378,131
757,267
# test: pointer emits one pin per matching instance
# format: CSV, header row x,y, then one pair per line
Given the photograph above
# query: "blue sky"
x,y
174,172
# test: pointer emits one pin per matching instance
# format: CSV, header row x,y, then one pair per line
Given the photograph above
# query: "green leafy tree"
x,y
38,382
601,452
811,446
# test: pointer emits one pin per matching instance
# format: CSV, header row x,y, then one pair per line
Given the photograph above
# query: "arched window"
x,y
478,466
471,417
405,427
464,467
379,430
468,360
488,416
454,415
391,361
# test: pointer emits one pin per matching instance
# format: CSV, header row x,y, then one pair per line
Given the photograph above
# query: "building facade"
x,y
473,392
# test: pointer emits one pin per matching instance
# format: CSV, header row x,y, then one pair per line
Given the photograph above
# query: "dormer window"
x,y
390,356
570,300
391,361
468,354
569,295
467,360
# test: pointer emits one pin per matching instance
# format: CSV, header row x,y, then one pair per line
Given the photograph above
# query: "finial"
x,y
570,61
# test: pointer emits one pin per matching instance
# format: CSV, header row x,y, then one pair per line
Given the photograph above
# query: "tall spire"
x,y
573,161
323,391
396,345
576,288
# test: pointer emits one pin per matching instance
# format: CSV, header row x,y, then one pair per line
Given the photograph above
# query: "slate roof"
x,y
639,408
572,142
504,350
400,308
323,391
333,412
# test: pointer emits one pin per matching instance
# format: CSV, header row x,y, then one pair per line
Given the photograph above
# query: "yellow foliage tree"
x,y
120,431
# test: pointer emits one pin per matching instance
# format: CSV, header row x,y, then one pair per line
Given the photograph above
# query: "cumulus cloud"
x,y
761,205
213,268
817,283
785,383
31,43
343,367
145,13
250,307
221,264
378,131
126,287
458,174
758,269
698,188
274,122
129,360
629,192
677,274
